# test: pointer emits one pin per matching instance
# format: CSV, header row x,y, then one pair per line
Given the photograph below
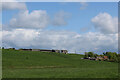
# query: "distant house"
x,y
60,51
46,50
92,58
99,58
57,51
105,57
102,58
42,50
35,49
64,51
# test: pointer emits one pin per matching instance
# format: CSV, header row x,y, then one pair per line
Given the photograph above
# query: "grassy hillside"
x,y
29,64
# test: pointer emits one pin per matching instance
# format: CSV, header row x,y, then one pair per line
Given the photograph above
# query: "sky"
x,y
74,26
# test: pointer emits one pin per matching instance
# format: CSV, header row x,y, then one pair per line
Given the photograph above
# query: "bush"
x,y
113,56
86,55
95,55
90,54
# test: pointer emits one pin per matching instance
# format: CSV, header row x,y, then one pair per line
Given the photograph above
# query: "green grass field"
x,y
28,64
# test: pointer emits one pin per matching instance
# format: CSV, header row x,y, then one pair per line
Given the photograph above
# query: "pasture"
x,y
31,64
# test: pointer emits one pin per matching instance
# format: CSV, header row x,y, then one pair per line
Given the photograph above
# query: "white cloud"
x,y
35,19
105,23
12,5
19,37
28,38
60,18
9,0
38,19
0,26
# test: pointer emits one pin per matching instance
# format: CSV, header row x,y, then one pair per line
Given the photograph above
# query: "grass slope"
x,y
29,64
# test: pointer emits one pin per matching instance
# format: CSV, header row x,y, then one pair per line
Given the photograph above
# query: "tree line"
x,y
112,56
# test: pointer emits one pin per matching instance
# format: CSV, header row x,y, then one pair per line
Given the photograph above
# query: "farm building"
x,y
102,58
105,57
42,50
46,50
64,51
98,58
57,51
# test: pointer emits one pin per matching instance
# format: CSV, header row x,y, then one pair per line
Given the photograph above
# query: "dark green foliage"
x,y
95,55
113,56
101,55
119,58
86,55
90,54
